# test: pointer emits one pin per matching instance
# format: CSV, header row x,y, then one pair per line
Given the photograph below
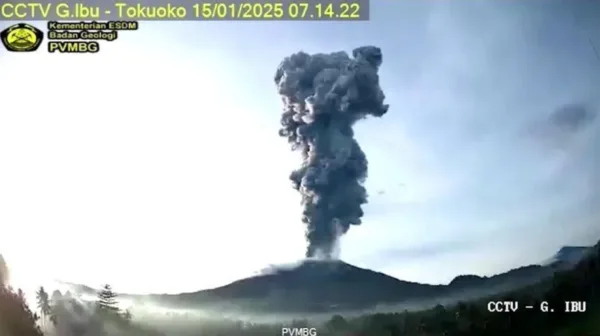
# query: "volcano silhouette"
x,y
310,286
314,286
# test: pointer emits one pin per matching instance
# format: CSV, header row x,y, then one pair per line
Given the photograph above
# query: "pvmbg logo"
x,y
21,37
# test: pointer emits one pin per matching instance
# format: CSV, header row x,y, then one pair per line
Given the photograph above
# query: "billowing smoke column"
x,y
323,96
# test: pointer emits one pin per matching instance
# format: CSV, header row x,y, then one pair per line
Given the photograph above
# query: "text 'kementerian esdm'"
x,y
82,37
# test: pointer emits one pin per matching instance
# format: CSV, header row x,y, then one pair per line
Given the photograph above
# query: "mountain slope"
x,y
316,286
312,286
569,255
319,286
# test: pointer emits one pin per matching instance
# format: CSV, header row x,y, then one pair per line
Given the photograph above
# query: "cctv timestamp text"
x,y
284,10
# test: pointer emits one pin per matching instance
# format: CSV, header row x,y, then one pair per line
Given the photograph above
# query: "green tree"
x,y
3,272
43,305
53,317
16,319
107,301
337,323
127,316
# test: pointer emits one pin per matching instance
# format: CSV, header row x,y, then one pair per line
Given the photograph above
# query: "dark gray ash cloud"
x,y
572,118
324,95
558,128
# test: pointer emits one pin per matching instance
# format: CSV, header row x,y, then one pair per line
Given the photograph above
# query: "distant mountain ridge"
x,y
569,255
320,286
565,258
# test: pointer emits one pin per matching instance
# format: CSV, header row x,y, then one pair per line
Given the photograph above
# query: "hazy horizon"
x,y
179,182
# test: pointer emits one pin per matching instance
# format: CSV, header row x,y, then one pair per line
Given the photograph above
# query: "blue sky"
x,y
178,181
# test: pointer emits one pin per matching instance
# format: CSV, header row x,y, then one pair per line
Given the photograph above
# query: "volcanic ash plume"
x,y
323,96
